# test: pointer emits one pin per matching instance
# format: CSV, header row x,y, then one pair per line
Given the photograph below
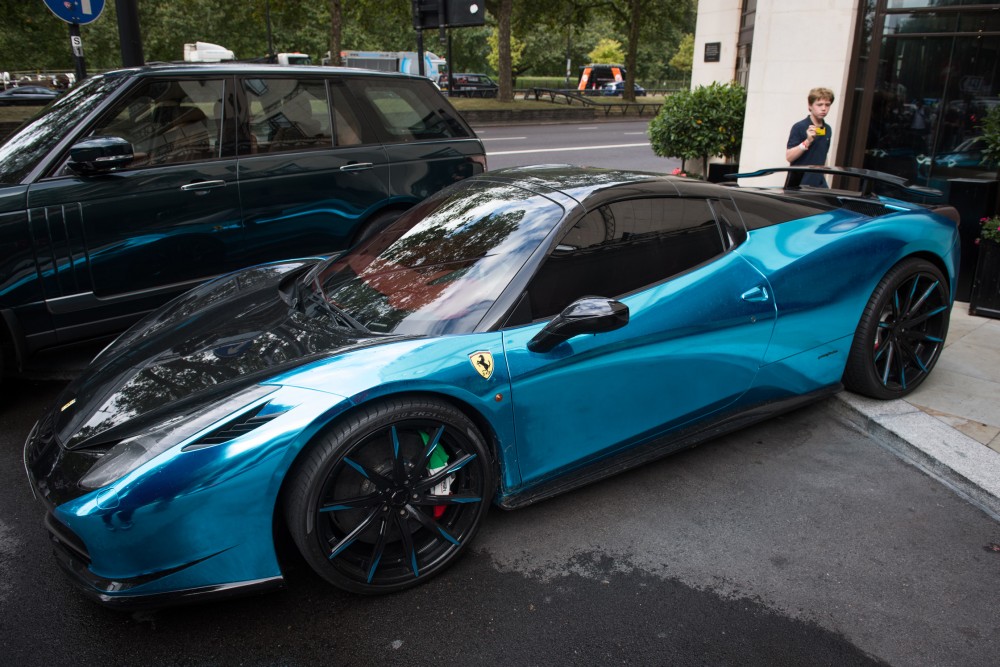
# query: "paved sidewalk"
x,y
950,425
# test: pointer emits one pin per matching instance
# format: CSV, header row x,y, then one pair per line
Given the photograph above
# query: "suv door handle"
x,y
202,187
357,166
756,294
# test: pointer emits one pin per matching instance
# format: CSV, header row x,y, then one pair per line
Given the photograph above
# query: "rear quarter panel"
x,y
823,269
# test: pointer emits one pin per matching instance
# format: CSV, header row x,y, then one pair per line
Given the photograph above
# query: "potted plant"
x,y
985,300
700,123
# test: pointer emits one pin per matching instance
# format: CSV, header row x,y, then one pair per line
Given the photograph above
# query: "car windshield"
x,y
441,266
22,150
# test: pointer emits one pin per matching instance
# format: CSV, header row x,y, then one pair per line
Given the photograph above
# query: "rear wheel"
x,y
391,496
901,333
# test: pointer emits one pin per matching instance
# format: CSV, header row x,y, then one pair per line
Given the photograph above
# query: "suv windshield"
x,y
23,149
441,266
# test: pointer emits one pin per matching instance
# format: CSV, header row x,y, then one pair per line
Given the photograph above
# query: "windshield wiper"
x,y
314,294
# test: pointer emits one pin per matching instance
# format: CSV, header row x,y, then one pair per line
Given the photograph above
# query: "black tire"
x,y
360,506
901,333
376,225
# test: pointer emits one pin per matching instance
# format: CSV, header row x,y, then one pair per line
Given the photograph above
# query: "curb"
x,y
951,457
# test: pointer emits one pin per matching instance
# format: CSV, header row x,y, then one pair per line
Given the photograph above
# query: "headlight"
x,y
134,451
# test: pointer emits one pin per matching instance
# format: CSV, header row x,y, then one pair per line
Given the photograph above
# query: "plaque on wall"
x,y
712,51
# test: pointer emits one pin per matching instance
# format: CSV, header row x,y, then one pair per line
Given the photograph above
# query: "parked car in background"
x,y
28,95
473,85
139,184
512,337
618,87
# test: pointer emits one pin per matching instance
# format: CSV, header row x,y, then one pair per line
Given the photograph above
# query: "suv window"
x,y
288,115
408,110
23,150
622,247
169,121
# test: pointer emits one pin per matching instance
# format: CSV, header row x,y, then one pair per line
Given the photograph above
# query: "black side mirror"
x,y
589,315
98,155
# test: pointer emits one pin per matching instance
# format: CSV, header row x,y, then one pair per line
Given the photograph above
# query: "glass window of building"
x,y
927,74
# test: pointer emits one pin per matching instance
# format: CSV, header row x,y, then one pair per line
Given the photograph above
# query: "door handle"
x,y
202,187
357,166
756,294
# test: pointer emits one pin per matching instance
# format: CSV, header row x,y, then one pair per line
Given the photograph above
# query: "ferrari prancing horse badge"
x,y
483,363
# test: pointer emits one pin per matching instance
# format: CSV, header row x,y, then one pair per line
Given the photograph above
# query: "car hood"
x,y
204,345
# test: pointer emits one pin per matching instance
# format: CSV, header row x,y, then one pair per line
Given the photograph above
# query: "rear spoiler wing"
x,y
869,177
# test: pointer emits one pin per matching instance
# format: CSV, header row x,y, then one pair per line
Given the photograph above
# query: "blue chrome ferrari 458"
x,y
516,335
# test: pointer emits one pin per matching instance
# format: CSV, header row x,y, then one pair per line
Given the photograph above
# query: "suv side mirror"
x,y
589,315
98,155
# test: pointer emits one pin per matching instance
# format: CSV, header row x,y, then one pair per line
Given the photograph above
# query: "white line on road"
x,y
594,127
569,148
633,133
502,138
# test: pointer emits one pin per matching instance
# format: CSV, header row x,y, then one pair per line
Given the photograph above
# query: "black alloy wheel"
x,y
901,333
391,496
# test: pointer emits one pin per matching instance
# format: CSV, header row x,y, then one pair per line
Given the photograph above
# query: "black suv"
x,y
140,183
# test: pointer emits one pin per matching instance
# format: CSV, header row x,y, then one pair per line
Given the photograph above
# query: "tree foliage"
x,y
683,60
544,34
700,123
607,51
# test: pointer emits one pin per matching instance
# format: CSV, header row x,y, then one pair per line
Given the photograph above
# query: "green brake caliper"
x,y
437,462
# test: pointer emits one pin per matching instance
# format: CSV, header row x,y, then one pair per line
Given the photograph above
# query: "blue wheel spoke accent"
x,y
441,475
923,317
431,525
349,539
432,444
378,480
398,470
350,503
379,548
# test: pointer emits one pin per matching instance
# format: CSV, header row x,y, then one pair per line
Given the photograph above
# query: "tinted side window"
x,y
168,122
759,210
348,128
622,247
409,110
288,115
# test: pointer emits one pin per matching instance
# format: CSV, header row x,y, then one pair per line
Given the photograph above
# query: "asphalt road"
x,y
615,144
798,541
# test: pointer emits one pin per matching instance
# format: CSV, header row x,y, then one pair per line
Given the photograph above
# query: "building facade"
x,y
913,79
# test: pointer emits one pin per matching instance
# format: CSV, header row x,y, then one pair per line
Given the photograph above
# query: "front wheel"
x,y
389,498
901,333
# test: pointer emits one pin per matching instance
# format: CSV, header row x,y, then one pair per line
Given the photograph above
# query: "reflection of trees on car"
x,y
398,277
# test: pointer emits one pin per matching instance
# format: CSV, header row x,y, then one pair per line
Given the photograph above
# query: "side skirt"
x,y
659,447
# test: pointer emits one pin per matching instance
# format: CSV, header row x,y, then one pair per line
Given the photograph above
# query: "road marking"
x,y
643,133
587,128
503,138
569,148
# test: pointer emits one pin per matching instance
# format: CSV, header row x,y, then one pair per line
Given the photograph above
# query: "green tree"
x,y
607,51
683,60
516,52
502,11
700,123
641,17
